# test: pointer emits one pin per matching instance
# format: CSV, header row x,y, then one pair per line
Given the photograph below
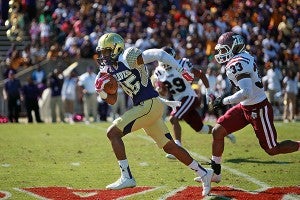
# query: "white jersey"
x,y
178,86
243,63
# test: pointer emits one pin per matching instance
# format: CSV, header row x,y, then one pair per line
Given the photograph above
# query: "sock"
x,y
178,142
198,168
218,160
125,170
205,129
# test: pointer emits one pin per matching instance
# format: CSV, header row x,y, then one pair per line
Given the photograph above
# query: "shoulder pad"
x,y
131,54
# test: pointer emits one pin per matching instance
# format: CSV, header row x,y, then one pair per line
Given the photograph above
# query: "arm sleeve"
x,y
152,55
245,92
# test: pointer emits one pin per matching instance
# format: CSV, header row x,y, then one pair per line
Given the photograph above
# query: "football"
x,y
111,98
111,87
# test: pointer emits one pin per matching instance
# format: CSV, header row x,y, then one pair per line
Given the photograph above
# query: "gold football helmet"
x,y
110,46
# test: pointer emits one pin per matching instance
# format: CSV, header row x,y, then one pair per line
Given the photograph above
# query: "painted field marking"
x,y
172,193
31,194
203,158
144,192
231,170
251,179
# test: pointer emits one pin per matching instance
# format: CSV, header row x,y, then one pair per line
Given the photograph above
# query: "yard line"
x,y
135,194
172,193
231,170
31,194
263,185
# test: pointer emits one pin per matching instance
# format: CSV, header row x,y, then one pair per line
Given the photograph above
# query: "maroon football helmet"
x,y
229,44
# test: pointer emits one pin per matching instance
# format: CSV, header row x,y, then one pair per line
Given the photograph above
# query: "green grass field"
x,y
80,157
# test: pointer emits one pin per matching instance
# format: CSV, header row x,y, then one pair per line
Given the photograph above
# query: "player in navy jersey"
x,y
129,69
252,106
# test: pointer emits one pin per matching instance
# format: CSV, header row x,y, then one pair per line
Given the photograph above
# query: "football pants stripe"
x,y
185,107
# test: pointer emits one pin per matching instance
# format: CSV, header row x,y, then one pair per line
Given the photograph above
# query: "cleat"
x,y
232,138
206,181
122,183
170,156
216,178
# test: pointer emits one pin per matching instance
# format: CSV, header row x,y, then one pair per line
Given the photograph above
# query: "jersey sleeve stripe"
x,y
239,59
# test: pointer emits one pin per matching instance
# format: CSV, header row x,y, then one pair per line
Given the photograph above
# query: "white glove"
x,y
172,104
210,97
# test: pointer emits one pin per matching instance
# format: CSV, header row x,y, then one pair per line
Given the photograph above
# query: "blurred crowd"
x,y
70,29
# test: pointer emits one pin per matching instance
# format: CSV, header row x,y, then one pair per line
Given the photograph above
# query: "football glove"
x,y
189,76
100,83
218,103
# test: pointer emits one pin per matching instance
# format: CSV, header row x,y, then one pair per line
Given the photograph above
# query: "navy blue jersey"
x,y
130,80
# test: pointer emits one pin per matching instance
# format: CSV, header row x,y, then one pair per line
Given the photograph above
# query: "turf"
x,y
80,156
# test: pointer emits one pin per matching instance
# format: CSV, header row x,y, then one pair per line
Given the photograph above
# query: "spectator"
x,y
45,33
87,49
34,31
88,94
68,95
273,80
55,82
290,85
11,93
38,75
54,52
211,75
31,95
103,109
15,61
26,55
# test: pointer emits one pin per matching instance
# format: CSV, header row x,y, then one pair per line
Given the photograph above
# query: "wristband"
x,y
103,95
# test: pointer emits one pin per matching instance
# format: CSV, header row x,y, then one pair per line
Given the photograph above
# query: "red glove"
x,y
189,76
100,82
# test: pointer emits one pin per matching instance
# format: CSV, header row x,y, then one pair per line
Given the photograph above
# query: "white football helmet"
x,y
229,44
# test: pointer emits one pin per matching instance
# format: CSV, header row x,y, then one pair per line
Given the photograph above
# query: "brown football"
x,y
111,98
112,86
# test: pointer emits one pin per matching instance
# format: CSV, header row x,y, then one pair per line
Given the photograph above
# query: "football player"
x,y
129,69
178,87
251,105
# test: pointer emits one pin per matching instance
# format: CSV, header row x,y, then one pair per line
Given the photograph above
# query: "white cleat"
x,y
232,138
122,183
216,178
206,181
170,156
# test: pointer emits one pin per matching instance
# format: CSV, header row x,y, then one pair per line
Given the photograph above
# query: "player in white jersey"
x,y
252,106
178,87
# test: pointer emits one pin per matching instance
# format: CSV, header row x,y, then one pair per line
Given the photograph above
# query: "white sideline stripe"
x,y
231,170
31,194
172,193
143,192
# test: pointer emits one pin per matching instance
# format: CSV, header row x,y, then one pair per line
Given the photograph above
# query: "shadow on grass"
x,y
252,160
